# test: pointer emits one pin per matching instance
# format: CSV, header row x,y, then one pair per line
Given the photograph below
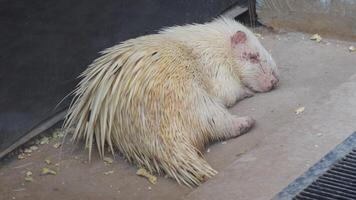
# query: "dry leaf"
x,y
258,35
57,134
34,148
316,37
21,156
47,171
57,145
47,161
27,150
143,172
109,172
44,140
28,179
299,110
108,160
28,176
60,135
28,173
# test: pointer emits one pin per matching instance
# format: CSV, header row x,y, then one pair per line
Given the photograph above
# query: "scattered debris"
x,y
316,37
258,35
299,110
352,48
108,160
319,134
149,188
109,172
55,134
44,140
76,157
27,150
316,146
224,142
57,145
28,173
47,161
34,148
28,179
47,171
58,134
208,150
57,164
28,176
21,156
143,172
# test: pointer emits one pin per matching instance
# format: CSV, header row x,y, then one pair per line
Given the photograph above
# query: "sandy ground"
x,y
318,76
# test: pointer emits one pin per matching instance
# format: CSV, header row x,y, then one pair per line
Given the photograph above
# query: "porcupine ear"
x,y
238,38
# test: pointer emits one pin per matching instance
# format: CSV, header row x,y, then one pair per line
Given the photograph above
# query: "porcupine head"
x,y
258,70
251,62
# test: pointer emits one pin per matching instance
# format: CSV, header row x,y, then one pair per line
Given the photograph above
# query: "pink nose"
x,y
271,83
267,82
274,81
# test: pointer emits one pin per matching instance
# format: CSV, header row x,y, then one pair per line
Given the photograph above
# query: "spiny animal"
x,y
159,99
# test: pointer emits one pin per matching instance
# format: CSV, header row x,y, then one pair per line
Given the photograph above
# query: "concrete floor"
x,y
318,76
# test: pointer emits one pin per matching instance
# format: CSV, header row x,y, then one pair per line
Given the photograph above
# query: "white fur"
x,y
212,43
160,98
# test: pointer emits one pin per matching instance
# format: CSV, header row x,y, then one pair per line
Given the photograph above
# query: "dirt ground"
x,y
321,77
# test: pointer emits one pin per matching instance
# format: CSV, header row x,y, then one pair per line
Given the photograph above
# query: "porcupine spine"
x,y
136,97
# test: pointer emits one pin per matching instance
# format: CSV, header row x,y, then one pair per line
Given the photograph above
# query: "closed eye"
x,y
254,57
250,56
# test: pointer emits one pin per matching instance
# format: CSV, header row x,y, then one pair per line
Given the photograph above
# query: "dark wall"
x,y
45,44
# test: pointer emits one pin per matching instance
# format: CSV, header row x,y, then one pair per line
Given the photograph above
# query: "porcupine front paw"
x,y
247,93
242,125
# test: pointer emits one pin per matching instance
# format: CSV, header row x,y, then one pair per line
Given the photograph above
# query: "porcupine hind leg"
x,y
182,161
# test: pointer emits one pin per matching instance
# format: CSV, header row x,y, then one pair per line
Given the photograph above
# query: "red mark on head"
x,y
252,57
238,38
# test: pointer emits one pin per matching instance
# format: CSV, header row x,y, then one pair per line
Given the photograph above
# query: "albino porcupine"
x,y
160,98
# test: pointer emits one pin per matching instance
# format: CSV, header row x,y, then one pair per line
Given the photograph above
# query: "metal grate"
x,y
332,178
337,183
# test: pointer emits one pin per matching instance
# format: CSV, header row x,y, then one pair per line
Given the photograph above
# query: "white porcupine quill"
x,y
149,98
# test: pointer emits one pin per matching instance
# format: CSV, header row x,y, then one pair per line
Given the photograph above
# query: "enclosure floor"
x,y
318,76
